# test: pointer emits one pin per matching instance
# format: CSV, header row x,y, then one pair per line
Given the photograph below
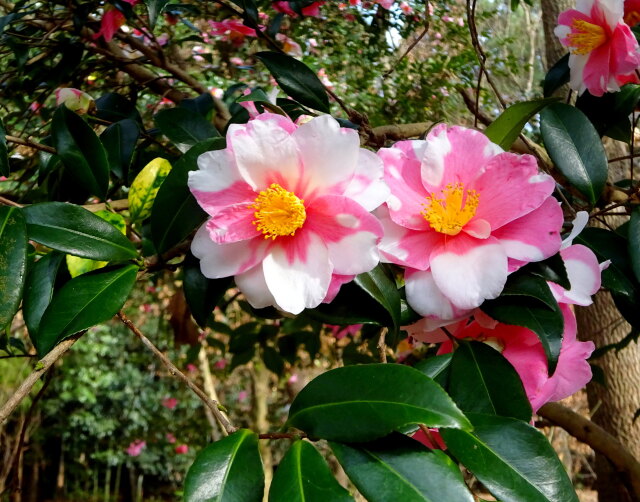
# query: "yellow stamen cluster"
x,y
278,212
449,214
585,36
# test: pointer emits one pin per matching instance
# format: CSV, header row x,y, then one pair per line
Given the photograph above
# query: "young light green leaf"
x,y
145,187
366,402
184,128
304,476
507,127
483,381
81,151
296,79
575,148
229,470
83,302
38,289
76,231
512,459
13,262
400,468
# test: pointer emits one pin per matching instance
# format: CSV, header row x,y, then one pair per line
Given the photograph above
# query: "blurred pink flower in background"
x,y
170,402
135,448
221,364
341,331
181,449
170,438
242,395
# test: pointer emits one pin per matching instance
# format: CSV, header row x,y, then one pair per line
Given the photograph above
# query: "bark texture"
x,y
554,50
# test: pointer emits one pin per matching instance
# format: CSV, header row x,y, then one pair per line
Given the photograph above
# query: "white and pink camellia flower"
x,y
462,215
602,46
289,208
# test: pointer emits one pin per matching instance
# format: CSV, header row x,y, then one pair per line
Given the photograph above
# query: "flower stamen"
x,y
448,215
585,36
278,212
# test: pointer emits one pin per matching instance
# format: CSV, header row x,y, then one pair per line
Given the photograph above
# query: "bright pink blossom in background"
x,y
112,20
170,438
340,332
170,402
312,10
462,215
433,441
135,448
232,30
289,208
181,449
602,46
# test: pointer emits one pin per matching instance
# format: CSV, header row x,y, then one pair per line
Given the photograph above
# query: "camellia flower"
x,y
74,99
339,332
289,208
181,449
112,20
232,30
632,12
170,402
312,10
135,448
602,46
462,215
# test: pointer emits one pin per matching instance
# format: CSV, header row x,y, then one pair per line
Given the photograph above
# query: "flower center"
x,y
278,212
448,215
585,36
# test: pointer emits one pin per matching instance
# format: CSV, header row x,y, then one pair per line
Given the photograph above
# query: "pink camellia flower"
x,y
433,441
289,46
170,438
387,4
312,10
632,12
602,46
221,364
339,332
289,208
243,395
181,449
135,448
462,215
112,20
232,30
170,402
74,99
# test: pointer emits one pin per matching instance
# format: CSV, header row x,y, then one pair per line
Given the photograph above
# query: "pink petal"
x,y
469,271
233,223
334,286
535,236
584,276
596,73
367,187
624,51
426,298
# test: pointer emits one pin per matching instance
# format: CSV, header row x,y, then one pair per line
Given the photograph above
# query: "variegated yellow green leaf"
x,y
145,187
78,266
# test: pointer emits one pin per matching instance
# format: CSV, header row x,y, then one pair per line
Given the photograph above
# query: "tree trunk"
x,y
261,392
554,50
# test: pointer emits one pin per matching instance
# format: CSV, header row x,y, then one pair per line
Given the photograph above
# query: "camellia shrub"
x,y
469,243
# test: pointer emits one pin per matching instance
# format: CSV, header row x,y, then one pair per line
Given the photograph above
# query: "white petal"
x,y
354,254
299,283
425,297
254,287
217,171
579,222
367,186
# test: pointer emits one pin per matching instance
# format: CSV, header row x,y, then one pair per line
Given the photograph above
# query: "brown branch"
x,y
6,202
397,132
41,367
215,407
116,205
470,103
282,435
600,440
382,345
31,144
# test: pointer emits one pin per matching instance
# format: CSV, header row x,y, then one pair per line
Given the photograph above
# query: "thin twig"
x,y
41,367
382,345
31,144
6,202
214,406
425,30
282,435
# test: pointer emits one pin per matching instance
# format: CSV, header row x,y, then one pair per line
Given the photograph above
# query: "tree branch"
x,y
31,144
215,407
600,440
41,367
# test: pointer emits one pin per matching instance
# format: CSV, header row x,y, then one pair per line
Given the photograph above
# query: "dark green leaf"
x,y
610,113
229,470
81,151
552,269
13,261
175,213
113,107
119,141
155,8
272,360
85,301
527,301
483,381
575,148
296,79
634,242
436,368
202,294
76,231
304,476
242,358
362,403
507,127
4,154
39,289
557,76
402,469
381,286
512,459
201,105
183,127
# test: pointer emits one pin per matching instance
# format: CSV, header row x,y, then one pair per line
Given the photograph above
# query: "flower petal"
x,y
426,298
469,271
254,287
584,274
367,187
232,223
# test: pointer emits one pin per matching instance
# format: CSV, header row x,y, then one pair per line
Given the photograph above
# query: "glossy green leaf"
x,y
202,294
436,368
483,381
634,242
380,285
175,213
400,468
38,289
119,140
13,261
114,107
512,459
4,153
575,148
504,130
81,151
83,302
557,76
527,301
201,105
76,231
183,127
155,8
272,360
229,470
304,476
145,187
552,269
366,402
296,79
